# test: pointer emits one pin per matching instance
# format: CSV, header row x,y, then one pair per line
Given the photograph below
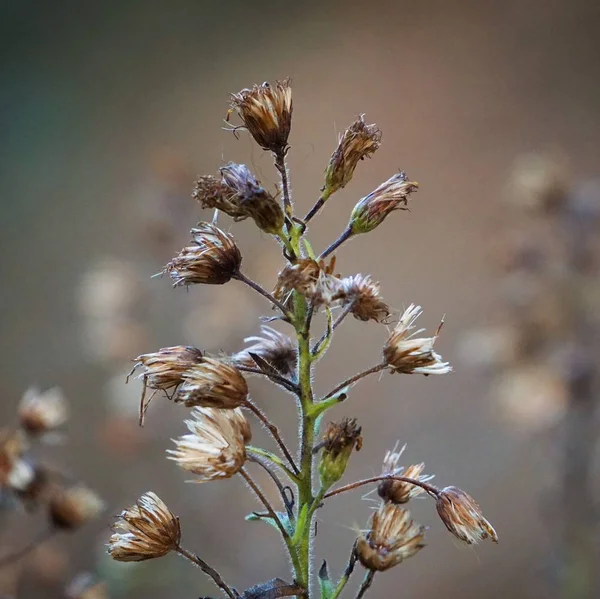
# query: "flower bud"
x,y
463,517
339,441
252,199
266,111
214,258
212,383
393,537
144,531
391,195
216,445
357,142
40,412
404,354
73,507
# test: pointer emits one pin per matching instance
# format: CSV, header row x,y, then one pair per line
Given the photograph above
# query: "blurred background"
x,y
110,110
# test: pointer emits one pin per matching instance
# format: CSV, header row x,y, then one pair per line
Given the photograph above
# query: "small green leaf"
x,y
325,584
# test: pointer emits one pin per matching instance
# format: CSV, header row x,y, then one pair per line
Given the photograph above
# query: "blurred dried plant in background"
x,y
218,444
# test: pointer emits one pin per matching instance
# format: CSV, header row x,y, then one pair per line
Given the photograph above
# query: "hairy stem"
x,y
366,584
318,205
210,572
244,279
433,491
285,186
336,323
259,451
354,379
267,467
343,581
276,378
336,244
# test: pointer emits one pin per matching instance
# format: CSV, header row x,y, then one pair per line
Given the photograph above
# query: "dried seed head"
x,y
144,531
165,368
212,383
310,279
357,142
42,412
393,538
363,295
213,193
339,441
391,195
397,491
71,508
266,112
404,354
462,516
214,258
251,198
216,447
274,347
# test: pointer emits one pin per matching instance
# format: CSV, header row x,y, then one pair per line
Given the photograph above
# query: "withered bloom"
x,y
357,142
214,258
274,347
266,112
212,383
393,538
40,412
216,445
252,198
144,531
363,295
391,195
404,354
340,439
397,491
310,279
463,517
71,508
213,193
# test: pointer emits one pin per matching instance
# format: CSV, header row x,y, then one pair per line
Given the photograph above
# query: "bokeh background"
x,y
109,110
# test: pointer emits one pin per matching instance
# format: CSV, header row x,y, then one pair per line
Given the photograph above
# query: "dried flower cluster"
x,y
217,444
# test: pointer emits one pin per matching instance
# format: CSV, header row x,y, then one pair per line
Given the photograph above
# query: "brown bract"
x,y
216,445
144,531
393,538
213,193
341,435
213,258
463,517
71,508
212,383
363,295
372,210
274,347
266,112
357,142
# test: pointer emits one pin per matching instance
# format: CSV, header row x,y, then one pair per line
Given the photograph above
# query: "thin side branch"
x,y
366,584
266,466
430,489
244,279
318,205
336,244
285,186
354,379
336,323
276,378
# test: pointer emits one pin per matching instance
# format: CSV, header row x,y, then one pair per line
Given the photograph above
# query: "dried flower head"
x,y
393,538
266,112
216,445
144,531
404,354
72,507
362,295
214,258
42,412
213,193
398,491
274,347
357,142
340,439
391,195
252,198
212,383
463,517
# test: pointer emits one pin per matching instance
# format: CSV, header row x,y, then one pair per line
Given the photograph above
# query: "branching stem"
x,y
244,279
432,490
354,379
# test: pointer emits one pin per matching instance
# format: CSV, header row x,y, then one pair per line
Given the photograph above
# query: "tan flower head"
x,y
212,192
212,383
266,111
404,354
71,508
42,412
393,538
357,142
216,445
463,517
214,258
144,531
391,195
274,347
363,295
397,491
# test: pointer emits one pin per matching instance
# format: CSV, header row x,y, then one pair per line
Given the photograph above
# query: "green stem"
x,y
275,459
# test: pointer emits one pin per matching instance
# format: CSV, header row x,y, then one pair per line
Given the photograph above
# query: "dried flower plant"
x,y
217,445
